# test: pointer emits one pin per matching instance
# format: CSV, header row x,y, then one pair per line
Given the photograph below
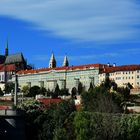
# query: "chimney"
x,y
108,64
114,64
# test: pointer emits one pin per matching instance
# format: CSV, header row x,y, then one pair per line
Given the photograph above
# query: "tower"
x,y
65,62
6,49
52,62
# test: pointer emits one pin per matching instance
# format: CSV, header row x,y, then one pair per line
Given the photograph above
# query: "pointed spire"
x,y
52,62
6,49
65,62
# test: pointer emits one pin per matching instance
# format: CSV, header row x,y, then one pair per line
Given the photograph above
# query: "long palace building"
x,y
70,76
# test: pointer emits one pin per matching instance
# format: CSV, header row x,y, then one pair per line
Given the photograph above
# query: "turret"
x,y
65,62
52,62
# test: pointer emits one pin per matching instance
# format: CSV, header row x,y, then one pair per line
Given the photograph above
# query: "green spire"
x,y
6,49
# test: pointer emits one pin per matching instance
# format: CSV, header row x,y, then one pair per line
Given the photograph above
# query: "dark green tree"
x,y
43,91
9,87
64,92
73,92
90,87
1,92
35,90
80,88
99,100
56,92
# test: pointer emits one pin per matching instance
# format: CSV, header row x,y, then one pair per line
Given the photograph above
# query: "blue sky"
x,y
88,31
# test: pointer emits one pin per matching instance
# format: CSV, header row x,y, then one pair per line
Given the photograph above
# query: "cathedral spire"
x,y
6,49
65,62
52,62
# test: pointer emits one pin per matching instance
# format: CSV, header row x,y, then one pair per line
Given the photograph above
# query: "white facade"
x,y
65,77
122,76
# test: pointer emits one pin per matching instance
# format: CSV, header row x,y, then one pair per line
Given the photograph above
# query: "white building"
x,y
122,75
65,76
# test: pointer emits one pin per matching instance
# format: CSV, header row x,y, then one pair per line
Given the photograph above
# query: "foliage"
x,y
51,122
1,92
90,87
47,123
25,89
73,92
80,88
9,87
35,90
99,126
99,100
43,91
64,92
56,92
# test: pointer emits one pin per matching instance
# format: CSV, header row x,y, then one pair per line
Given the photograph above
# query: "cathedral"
x,y
10,64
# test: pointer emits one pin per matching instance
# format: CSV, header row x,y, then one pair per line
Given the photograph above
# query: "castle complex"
x,y
70,76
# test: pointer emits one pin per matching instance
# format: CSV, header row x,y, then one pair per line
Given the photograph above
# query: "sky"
x,y
87,31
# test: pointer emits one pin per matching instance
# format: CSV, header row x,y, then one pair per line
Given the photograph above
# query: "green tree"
x,y
25,89
56,92
90,87
73,92
99,100
80,88
43,91
9,87
64,92
35,90
1,92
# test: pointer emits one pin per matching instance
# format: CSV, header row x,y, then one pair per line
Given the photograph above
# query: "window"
x,y
132,77
137,71
137,83
137,76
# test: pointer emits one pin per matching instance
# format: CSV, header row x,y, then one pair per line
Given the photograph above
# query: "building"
x,y
122,75
70,76
9,64
65,76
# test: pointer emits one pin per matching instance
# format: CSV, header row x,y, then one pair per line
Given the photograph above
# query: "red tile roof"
x,y
120,68
60,68
10,67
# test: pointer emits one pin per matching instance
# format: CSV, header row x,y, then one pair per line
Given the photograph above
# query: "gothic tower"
x,y
52,62
65,62
6,49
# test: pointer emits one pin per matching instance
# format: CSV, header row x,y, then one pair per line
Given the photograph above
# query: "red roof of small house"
x,y
60,68
111,69
10,67
48,101
4,107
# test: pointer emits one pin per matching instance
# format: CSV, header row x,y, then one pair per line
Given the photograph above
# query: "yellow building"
x,y
121,75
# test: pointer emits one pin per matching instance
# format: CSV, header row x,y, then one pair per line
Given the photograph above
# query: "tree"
x,y
99,100
35,90
43,90
56,92
9,87
25,89
64,92
80,88
73,92
90,87
1,92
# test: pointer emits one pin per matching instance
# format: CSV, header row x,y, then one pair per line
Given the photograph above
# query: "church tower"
x,y
52,62
6,49
65,62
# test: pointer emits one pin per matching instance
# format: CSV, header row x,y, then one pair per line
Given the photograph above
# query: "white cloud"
x,y
87,20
